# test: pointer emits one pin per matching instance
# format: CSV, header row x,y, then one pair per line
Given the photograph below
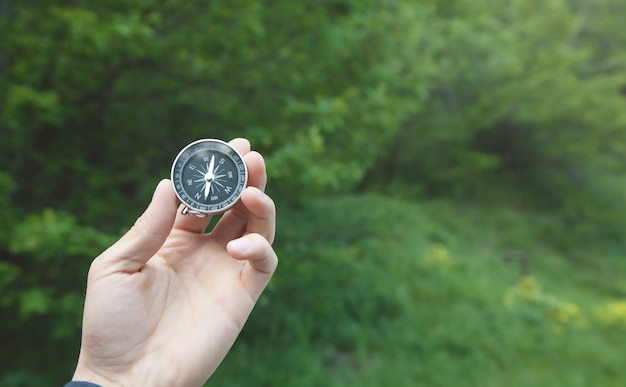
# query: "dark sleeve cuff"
x,y
81,384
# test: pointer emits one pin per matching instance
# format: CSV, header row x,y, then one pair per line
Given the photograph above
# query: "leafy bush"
x,y
372,291
42,285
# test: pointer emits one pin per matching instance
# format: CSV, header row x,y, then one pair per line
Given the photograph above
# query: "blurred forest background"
x,y
411,146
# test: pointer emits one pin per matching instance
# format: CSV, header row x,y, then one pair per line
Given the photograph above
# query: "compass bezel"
x,y
198,149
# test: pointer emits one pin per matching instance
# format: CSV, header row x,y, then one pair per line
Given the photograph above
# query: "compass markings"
x,y
218,183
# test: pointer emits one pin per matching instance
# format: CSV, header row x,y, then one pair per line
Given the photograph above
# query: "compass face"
x,y
209,176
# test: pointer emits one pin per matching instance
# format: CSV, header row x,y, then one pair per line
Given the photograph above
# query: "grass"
x,y
371,292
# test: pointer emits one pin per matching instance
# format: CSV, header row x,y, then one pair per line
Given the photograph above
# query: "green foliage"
x,y
415,294
51,234
531,302
510,104
42,290
94,75
503,123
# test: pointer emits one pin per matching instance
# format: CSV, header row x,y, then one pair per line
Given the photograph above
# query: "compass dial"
x,y
209,176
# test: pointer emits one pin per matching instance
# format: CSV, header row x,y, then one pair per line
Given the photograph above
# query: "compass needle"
x,y
207,189
210,168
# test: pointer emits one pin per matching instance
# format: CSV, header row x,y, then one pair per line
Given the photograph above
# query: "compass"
x,y
208,177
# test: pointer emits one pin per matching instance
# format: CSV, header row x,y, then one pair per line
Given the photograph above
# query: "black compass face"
x,y
209,176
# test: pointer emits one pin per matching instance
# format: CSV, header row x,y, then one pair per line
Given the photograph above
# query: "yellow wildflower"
x,y
612,313
438,256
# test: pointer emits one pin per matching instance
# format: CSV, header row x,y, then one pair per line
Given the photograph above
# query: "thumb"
x,y
145,238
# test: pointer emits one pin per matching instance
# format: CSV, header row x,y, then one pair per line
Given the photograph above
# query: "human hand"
x,y
166,302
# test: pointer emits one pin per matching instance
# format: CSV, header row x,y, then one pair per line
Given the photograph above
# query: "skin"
x,y
166,302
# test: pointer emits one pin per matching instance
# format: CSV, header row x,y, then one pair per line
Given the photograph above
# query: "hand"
x,y
166,302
